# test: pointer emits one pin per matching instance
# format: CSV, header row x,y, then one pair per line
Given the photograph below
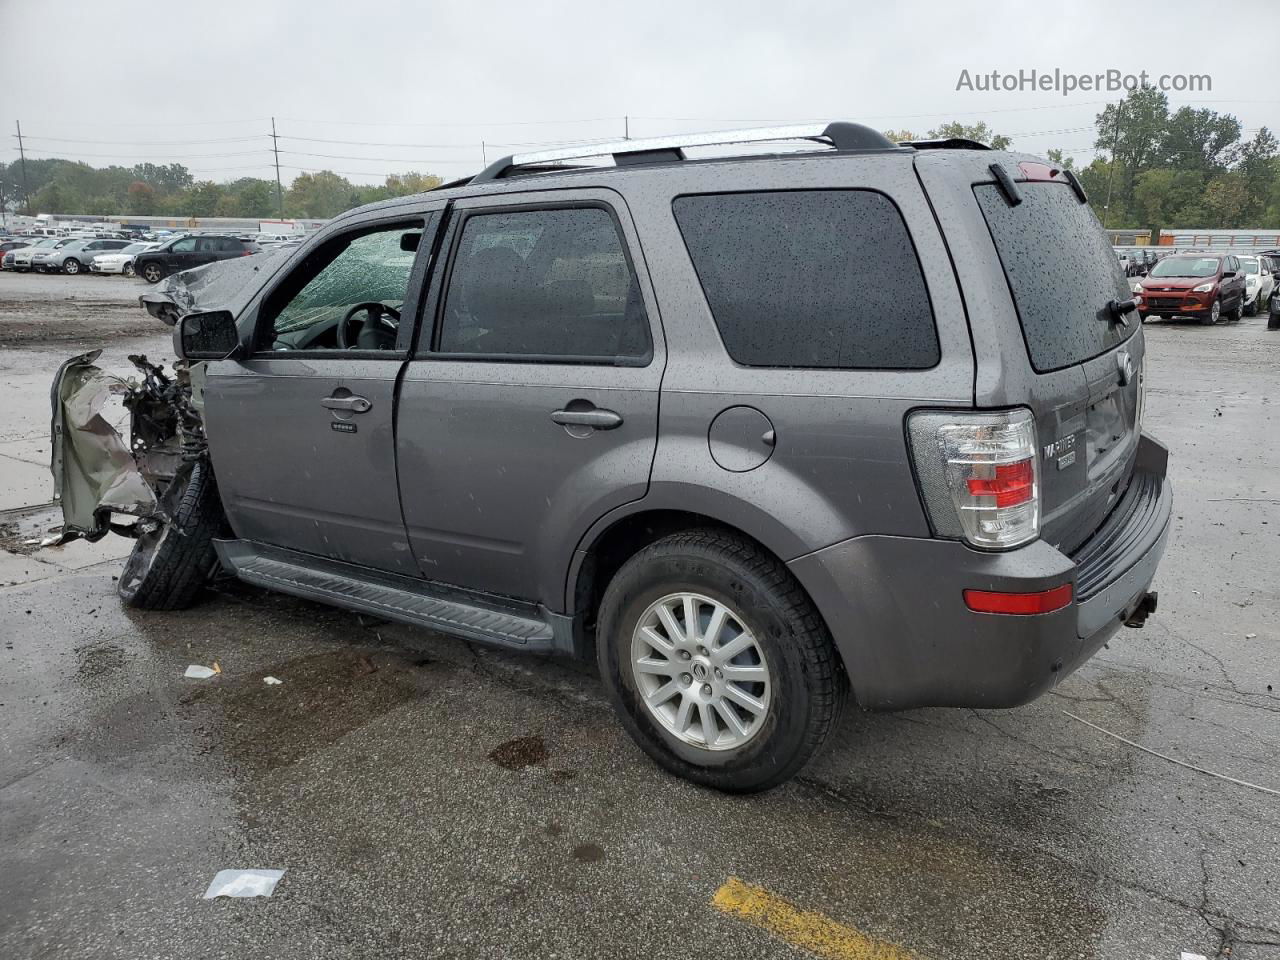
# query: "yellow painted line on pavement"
x,y
807,929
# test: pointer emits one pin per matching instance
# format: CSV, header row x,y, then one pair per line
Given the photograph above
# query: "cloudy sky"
x,y
377,86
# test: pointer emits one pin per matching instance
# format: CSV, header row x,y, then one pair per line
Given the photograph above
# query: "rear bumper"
x,y
896,610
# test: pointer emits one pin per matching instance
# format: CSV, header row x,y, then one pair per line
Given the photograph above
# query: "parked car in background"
x,y
16,243
746,513
183,253
1259,281
23,256
120,261
1206,287
75,256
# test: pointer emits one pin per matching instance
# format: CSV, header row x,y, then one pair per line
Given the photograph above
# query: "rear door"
x,y
530,407
1046,336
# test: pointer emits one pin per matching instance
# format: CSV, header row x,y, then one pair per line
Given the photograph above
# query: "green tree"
x,y
1199,140
321,194
977,131
1226,201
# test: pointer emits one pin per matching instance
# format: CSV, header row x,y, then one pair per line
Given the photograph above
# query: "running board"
x,y
521,626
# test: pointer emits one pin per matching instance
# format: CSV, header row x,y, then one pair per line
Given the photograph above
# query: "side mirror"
x,y
207,336
1228,273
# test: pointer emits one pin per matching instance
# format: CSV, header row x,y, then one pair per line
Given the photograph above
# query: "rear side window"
x,y
554,284
810,278
1061,270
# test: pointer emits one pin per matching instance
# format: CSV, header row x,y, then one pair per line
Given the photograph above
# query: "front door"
x,y
302,431
530,409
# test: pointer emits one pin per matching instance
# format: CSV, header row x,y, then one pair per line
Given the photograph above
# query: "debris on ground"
x,y
197,672
243,883
271,681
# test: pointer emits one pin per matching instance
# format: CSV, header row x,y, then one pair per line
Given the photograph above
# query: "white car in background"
x,y
1259,282
120,261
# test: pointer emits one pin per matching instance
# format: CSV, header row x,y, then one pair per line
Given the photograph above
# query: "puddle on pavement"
x,y
323,698
520,753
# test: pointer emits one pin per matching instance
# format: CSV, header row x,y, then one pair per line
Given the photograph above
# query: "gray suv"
x,y
759,432
74,257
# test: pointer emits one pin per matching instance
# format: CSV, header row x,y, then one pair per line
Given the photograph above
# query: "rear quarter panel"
x,y
840,467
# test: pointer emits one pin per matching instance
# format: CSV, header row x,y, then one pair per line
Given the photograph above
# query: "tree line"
x,y
1157,169
1153,169
170,190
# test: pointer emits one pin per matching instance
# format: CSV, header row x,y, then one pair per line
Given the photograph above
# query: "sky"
x,y
380,86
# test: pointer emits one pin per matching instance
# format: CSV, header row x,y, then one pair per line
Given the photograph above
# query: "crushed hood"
x,y
223,285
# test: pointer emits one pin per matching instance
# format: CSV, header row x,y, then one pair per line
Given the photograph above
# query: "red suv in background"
x,y
1194,285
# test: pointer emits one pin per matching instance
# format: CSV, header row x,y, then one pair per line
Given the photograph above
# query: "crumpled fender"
x,y
94,473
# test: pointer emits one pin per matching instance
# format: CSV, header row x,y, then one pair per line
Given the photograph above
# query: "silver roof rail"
x,y
842,136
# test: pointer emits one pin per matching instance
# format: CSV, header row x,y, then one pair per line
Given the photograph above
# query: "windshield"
x,y
1250,266
1186,267
134,248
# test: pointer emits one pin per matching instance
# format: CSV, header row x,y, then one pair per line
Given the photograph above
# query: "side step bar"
x,y
493,620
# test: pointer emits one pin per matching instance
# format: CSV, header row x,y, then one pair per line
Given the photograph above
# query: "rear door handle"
x,y
595,417
354,404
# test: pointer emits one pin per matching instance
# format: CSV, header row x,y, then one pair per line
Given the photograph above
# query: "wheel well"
x,y
623,540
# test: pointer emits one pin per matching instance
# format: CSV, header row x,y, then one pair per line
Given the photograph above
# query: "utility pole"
x,y
626,128
26,200
275,148
484,157
1115,142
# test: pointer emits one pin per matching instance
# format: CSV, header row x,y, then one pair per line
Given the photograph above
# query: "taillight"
x,y
979,475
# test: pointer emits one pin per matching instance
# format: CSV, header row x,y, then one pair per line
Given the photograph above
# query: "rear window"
x,y
1062,272
810,278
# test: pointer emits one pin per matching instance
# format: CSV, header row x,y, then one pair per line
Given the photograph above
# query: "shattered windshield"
x,y
370,268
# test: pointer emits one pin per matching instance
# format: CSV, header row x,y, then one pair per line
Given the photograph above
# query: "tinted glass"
x,y
810,279
544,283
1061,271
366,268
185,245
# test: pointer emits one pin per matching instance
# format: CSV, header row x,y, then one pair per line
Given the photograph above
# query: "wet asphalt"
x,y
428,797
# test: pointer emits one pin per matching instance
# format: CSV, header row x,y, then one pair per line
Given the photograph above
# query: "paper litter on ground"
x,y
243,883
197,672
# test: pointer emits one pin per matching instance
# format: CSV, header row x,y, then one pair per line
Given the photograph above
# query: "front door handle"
x,y
353,404
595,417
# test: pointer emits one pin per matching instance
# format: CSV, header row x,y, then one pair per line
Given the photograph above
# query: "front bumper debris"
x,y
95,473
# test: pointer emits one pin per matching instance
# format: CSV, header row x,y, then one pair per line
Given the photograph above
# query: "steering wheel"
x,y
384,328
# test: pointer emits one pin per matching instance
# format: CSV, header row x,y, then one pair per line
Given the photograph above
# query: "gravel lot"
x,y
429,797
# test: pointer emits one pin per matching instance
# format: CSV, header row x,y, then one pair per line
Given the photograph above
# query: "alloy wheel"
x,y
700,671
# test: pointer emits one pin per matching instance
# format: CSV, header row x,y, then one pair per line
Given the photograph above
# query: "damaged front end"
x,y
96,475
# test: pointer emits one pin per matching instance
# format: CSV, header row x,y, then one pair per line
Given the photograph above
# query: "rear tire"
x,y
792,709
169,565
1233,315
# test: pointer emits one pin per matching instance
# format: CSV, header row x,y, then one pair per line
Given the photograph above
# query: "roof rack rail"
x,y
842,136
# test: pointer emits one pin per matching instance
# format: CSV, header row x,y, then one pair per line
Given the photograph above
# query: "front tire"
x,y
170,563
71,266
1215,311
717,662
152,272
127,270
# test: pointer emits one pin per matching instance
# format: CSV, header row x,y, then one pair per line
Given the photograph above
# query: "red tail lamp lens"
x,y
1046,601
1013,483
